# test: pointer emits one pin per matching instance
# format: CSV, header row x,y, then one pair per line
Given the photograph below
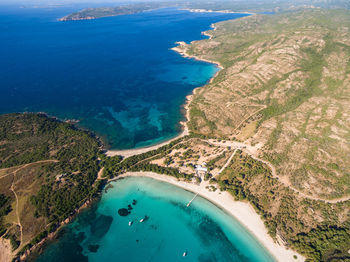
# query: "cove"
x,y
205,231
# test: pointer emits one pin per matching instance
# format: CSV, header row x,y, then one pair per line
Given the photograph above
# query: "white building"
x,y
201,171
200,168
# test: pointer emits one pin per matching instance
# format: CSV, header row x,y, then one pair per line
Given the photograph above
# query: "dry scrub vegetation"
x,y
24,181
285,83
48,169
284,91
194,151
314,228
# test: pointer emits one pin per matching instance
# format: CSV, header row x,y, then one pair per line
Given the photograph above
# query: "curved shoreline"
x,y
130,152
135,151
243,212
202,10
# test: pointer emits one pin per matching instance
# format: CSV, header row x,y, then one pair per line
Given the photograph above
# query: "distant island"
x,y
94,13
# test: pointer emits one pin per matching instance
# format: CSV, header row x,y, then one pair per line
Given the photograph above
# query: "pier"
x,y
189,203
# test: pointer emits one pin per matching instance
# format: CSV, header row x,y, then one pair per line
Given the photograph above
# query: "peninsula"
x,y
99,12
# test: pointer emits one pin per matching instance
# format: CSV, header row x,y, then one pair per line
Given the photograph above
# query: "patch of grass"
x,y
274,135
247,131
195,112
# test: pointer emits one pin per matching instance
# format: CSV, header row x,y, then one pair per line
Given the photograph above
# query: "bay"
x,y
204,231
116,75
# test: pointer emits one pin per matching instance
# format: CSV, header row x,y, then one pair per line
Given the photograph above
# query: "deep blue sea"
x,y
204,231
115,75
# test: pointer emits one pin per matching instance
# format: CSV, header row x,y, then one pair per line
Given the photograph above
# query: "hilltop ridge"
x,y
285,87
94,13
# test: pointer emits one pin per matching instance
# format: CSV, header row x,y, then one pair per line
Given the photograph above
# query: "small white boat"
x,y
142,220
184,254
130,223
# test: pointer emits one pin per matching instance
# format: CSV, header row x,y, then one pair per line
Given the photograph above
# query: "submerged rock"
x,y
81,236
134,202
101,225
123,212
93,248
108,187
154,227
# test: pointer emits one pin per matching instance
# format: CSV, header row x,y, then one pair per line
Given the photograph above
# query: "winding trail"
x,y
26,165
247,148
251,115
182,49
12,188
253,151
287,184
228,162
17,206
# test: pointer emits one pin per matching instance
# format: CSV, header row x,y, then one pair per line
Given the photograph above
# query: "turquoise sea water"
x,y
206,232
116,75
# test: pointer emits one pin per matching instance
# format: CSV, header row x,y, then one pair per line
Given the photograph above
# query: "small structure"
x,y
201,170
60,177
189,203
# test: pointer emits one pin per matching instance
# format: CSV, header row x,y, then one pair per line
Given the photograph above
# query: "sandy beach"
x,y
242,211
5,250
199,10
137,151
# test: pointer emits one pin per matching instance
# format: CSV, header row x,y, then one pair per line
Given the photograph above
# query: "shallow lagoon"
x,y
206,232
